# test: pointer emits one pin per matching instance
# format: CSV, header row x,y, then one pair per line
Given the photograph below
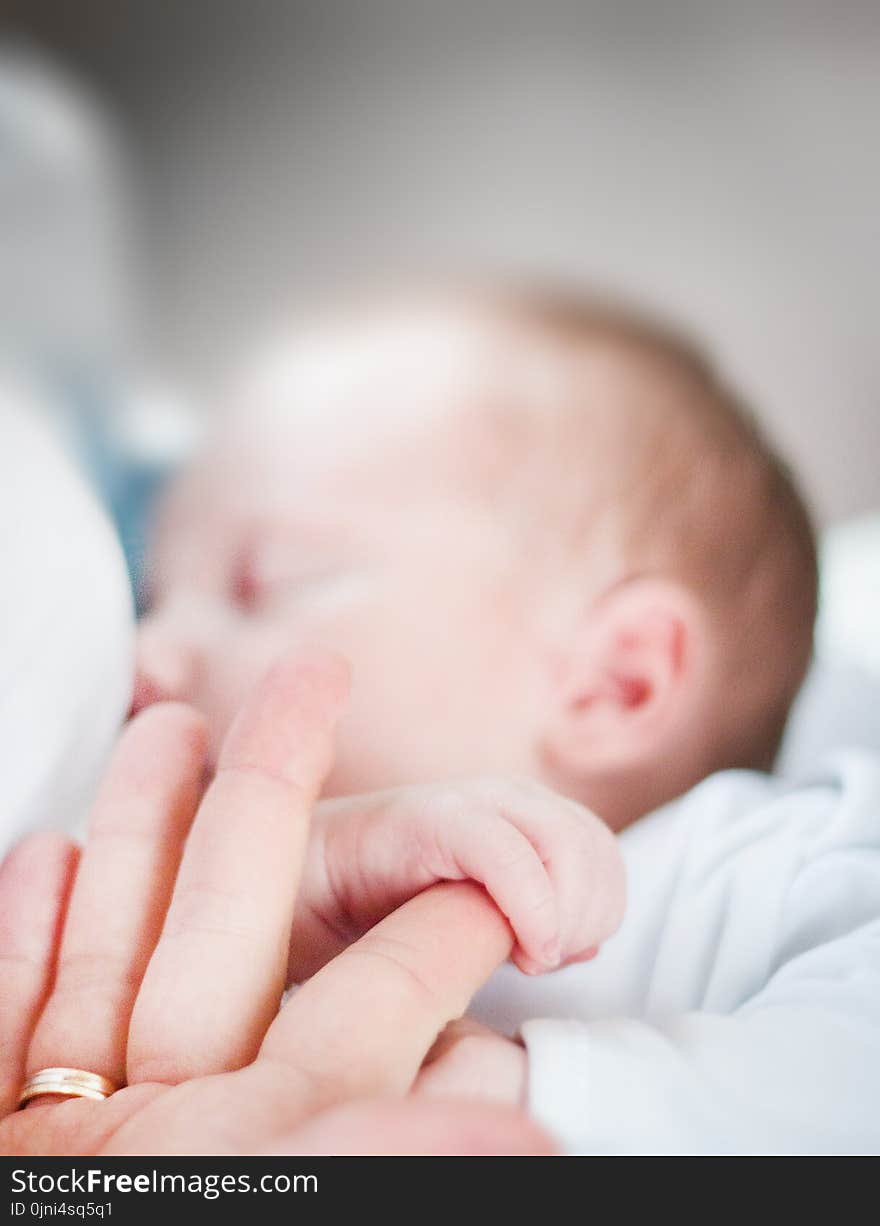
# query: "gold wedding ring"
x,y
68,1082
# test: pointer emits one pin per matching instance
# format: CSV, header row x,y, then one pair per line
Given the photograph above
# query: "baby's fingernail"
x,y
552,952
587,954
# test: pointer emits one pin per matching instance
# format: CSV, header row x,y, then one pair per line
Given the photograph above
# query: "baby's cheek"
x,y
230,675
373,749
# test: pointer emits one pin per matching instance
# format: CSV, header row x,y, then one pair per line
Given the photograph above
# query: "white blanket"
x,y
738,1009
66,626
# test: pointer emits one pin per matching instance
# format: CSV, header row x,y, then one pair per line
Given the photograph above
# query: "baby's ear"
x,y
635,679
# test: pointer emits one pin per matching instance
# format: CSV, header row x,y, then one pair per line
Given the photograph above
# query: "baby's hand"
x,y
552,867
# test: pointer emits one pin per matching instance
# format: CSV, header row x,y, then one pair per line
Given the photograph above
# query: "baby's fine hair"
x,y
702,494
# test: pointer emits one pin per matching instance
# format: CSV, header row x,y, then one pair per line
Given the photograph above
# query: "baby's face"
x,y
368,534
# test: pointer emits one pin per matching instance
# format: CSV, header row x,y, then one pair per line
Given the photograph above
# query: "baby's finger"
x,y
35,880
122,889
591,884
498,855
216,977
582,859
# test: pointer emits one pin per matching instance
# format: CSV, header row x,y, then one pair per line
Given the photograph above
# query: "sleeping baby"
x,y
573,582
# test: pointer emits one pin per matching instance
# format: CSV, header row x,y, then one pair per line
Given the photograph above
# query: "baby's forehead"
x,y
393,368
414,405
410,393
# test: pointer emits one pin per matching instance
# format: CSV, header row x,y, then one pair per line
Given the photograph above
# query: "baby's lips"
x,y
146,693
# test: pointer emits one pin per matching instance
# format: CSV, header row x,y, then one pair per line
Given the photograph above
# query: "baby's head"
x,y
547,537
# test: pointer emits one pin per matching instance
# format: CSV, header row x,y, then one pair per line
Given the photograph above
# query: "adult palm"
x,y
158,958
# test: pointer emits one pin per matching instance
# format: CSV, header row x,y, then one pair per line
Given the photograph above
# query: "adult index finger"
x,y
216,976
364,1023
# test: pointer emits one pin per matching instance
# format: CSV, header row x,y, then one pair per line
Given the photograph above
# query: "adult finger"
x,y
121,893
411,1127
217,973
364,1023
471,1061
35,880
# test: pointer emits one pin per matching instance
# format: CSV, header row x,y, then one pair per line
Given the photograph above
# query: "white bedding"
x,y
839,705
65,631
737,1011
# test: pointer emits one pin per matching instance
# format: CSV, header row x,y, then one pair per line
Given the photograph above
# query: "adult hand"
x,y
158,961
469,1060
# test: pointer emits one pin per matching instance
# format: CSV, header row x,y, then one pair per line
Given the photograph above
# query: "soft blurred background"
x,y
173,174
718,160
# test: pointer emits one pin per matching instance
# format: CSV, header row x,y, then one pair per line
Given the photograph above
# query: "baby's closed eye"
x,y
266,579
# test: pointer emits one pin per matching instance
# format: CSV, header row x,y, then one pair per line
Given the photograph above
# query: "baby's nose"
x,y
164,670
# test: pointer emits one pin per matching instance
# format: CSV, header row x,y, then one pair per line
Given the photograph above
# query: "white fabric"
x,y
65,631
738,1009
839,705
838,708
849,604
